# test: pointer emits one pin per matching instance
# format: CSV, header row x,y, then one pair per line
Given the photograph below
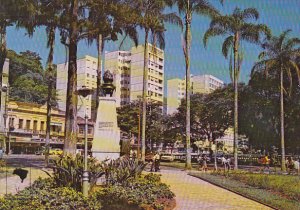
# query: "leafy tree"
x,y
188,8
128,121
279,55
238,27
211,116
27,78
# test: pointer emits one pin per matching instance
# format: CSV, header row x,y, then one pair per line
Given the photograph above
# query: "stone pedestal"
x,y
106,143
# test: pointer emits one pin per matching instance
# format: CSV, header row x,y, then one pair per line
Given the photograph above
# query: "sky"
x,y
279,15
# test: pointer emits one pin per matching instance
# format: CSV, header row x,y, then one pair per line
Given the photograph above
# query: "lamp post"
x,y
84,92
5,89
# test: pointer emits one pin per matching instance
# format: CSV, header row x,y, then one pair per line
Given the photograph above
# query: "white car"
x,y
167,157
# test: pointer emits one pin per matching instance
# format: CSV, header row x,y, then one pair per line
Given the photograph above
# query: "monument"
x,y
106,143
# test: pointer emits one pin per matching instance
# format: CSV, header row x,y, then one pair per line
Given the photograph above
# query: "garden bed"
x,y
276,191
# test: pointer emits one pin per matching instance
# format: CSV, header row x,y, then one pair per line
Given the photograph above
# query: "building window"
x,y
28,124
21,123
11,122
35,125
42,125
81,130
90,131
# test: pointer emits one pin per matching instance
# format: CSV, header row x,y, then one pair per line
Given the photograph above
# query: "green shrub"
x,y
119,171
139,193
68,171
43,194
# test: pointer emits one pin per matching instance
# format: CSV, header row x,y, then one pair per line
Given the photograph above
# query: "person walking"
x,y
266,163
204,163
1,153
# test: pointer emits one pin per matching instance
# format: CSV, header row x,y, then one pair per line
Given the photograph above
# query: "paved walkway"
x,y
14,184
195,194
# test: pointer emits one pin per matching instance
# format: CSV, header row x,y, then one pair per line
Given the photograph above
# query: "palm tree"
x,y
279,55
188,8
73,26
45,14
152,20
104,29
239,29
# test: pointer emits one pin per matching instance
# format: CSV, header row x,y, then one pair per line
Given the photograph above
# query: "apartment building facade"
x,y
119,62
86,76
199,84
155,78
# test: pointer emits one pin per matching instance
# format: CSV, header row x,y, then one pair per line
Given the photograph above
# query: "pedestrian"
x,y
290,164
266,163
199,162
204,163
228,163
1,153
297,166
155,162
224,160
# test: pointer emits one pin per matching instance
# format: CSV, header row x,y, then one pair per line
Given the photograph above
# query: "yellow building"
x,y
27,127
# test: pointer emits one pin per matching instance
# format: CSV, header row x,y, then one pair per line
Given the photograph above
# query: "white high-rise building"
x,y
205,83
155,73
175,93
128,67
86,76
199,84
118,62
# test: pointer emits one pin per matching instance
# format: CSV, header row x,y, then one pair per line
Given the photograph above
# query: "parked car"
x,y
167,157
55,151
39,152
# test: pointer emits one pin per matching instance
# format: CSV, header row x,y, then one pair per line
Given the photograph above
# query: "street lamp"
x,y
84,92
5,89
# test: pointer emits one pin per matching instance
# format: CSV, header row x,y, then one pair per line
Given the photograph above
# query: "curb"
x,y
233,191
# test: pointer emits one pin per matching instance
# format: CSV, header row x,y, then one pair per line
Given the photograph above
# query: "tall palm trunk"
x,y
50,87
283,167
71,104
99,74
145,93
3,52
235,80
188,38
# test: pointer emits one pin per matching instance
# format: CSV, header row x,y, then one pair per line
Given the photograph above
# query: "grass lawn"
x,y
278,191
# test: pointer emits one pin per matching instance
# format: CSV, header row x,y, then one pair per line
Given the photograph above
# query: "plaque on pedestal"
x,y
106,143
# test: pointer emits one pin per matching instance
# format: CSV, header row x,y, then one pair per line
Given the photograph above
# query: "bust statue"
x,y
107,86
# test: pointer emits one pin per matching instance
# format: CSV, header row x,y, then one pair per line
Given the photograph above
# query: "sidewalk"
x,y
14,182
195,194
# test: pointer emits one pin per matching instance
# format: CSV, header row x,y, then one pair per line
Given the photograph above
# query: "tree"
x,y
152,20
128,123
108,19
239,29
8,11
279,55
188,8
73,27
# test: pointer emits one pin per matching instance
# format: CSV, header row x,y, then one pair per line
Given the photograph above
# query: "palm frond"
x,y
250,13
291,43
203,7
282,37
174,19
211,32
227,44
